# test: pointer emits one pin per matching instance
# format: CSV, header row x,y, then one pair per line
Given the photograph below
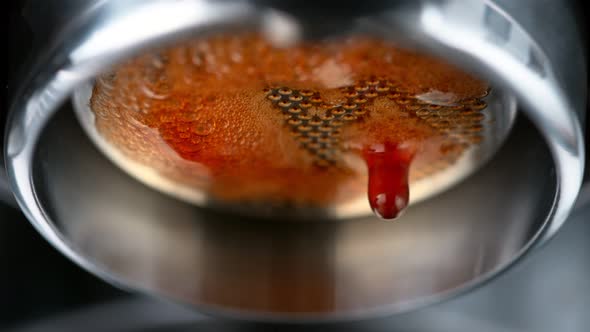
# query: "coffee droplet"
x,y
388,167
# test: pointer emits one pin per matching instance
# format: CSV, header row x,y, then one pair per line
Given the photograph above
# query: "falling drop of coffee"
x,y
388,167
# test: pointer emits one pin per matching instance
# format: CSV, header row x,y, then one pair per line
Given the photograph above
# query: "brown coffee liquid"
x,y
246,122
389,167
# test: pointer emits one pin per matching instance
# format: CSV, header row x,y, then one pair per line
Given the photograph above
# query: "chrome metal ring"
x,y
479,35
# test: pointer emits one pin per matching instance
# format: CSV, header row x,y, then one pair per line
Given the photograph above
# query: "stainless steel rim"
x,y
433,25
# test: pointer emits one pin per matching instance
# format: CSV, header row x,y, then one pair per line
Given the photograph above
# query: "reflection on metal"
x,y
135,237
546,293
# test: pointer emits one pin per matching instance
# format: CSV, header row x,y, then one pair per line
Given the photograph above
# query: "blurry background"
x,y
40,290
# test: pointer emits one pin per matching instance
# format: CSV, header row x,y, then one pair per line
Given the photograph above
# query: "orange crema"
x,y
243,121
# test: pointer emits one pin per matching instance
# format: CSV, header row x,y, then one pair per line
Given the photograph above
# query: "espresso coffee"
x,y
316,124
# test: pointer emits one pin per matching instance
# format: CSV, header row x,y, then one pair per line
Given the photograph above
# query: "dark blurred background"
x,y
38,283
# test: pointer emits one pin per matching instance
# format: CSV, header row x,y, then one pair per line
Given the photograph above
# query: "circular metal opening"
x,y
229,263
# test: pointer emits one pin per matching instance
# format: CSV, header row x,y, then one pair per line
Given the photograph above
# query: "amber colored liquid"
x,y
389,169
246,122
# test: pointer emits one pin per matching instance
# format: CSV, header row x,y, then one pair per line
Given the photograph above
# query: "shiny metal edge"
x,y
543,100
